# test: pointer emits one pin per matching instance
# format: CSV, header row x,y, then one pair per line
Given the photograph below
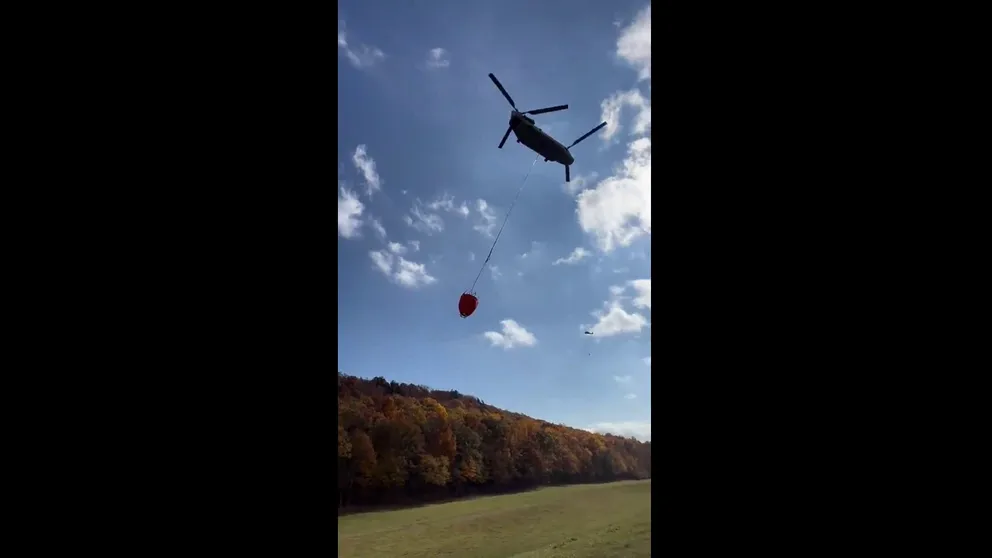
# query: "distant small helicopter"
x,y
536,139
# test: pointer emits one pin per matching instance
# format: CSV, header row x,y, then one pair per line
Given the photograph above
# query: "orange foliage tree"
x,y
400,443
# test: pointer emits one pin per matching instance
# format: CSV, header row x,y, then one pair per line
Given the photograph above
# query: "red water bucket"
x,y
467,304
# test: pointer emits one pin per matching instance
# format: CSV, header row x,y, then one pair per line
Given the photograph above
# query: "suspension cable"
x,y
505,219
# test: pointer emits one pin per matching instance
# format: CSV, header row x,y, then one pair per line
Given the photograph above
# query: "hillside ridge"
x,y
405,443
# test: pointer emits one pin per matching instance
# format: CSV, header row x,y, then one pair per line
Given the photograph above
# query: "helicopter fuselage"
x,y
538,140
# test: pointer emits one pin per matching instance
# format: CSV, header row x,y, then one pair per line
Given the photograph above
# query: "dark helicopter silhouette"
x,y
536,139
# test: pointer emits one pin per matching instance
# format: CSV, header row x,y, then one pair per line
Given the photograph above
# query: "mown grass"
x,y
598,520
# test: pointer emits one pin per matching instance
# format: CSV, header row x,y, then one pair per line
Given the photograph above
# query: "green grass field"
x,y
600,520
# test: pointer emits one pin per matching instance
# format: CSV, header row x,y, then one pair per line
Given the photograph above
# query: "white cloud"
x,y
447,203
616,290
643,288
618,210
382,260
366,166
361,57
378,228
494,270
427,223
438,58
577,255
580,182
349,210
513,335
639,430
623,379
415,244
617,321
397,248
405,273
613,106
488,224
634,44
629,396
471,256
412,275
647,360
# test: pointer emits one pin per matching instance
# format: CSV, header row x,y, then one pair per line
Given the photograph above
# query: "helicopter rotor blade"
x,y
549,109
506,135
503,91
587,134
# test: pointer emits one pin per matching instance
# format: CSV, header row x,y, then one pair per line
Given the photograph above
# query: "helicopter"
x,y
536,139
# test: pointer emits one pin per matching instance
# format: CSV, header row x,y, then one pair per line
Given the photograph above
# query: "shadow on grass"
x,y
475,494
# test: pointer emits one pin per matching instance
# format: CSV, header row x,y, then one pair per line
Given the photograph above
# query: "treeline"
x,y
401,443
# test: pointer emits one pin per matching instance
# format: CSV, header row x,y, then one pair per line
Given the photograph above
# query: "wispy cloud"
x,y
438,58
647,360
378,228
634,44
580,182
400,270
622,379
396,248
349,210
535,252
487,226
447,203
415,244
612,109
629,396
363,56
366,166
576,256
424,221
411,274
513,335
643,288
382,260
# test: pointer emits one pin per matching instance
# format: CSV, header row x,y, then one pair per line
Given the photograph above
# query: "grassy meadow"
x,y
594,521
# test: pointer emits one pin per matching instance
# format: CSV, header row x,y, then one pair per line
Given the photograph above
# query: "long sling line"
x,y
505,219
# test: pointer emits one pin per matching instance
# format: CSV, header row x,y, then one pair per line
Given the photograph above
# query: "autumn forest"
x,y
402,444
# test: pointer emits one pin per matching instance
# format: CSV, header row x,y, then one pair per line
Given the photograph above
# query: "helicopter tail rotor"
x,y
506,135
587,134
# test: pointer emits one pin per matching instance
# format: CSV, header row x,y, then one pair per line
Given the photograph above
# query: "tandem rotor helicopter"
x,y
536,139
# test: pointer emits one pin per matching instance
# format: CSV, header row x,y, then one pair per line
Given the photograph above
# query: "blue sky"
x,y
422,190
